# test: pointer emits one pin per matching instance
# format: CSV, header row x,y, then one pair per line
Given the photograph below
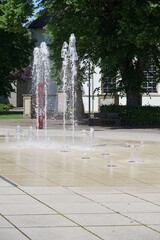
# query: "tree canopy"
x,y
121,36
15,43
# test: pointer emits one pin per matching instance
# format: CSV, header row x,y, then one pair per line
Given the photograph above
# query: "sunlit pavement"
x,y
108,191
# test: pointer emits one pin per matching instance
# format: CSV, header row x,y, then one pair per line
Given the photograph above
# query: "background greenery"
x,y
5,107
145,116
16,46
121,36
6,114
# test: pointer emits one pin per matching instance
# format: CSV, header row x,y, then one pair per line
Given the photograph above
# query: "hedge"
x,y
144,116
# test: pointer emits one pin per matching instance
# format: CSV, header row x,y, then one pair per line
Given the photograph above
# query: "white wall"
x,y
95,83
152,100
13,96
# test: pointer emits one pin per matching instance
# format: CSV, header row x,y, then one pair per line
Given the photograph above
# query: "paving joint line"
x,y
15,226
8,181
101,204
61,214
145,200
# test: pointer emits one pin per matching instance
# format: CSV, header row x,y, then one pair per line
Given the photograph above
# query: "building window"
x,y
150,84
108,85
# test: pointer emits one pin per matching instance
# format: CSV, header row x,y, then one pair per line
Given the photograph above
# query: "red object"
x,y
40,106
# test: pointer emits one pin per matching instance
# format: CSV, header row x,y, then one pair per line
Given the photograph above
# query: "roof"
x,y
40,22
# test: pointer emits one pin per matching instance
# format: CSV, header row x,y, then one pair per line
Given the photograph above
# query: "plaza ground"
x,y
82,194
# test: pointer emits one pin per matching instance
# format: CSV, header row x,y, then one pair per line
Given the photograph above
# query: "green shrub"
x,y
5,107
145,116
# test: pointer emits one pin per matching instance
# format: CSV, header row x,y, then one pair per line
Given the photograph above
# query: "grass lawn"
x,y
9,115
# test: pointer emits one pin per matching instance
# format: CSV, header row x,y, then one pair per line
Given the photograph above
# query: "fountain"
x,y
41,75
111,164
46,75
40,91
40,100
84,145
69,72
30,139
91,137
64,56
18,135
133,154
105,153
6,135
38,88
73,58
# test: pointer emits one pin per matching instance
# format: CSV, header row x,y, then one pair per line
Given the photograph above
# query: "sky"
x,y
35,2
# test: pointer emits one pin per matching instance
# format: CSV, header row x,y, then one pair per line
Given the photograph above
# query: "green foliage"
x,y
15,41
5,107
120,36
144,116
14,13
15,52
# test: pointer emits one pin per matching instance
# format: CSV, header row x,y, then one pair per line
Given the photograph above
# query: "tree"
x,y
121,36
15,43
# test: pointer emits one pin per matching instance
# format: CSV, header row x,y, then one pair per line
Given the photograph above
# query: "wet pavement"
x,y
108,191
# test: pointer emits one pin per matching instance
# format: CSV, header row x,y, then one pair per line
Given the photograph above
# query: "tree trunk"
x,y
132,78
134,98
79,107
